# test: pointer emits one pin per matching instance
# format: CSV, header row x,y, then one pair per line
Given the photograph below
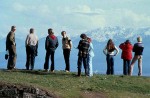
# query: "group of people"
x,y
85,53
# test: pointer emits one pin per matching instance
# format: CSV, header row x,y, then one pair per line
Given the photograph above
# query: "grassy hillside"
x,y
67,85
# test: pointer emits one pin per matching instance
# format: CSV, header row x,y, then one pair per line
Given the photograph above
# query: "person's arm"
x,y
105,51
11,39
121,46
26,41
46,43
57,43
117,50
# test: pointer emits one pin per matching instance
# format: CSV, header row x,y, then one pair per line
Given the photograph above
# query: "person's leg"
x,y
86,66
90,67
66,53
128,66
79,65
27,57
68,60
124,63
140,66
112,65
132,64
125,67
12,57
46,64
52,61
32,56
108,64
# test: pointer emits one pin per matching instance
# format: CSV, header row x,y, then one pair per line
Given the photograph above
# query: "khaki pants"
x,y
12,57
135,58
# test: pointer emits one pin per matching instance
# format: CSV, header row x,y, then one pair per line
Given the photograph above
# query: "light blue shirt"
x,y
91,50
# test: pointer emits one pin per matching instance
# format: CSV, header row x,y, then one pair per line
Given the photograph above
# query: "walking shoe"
x,y
52,71
139,74
46,70
67,71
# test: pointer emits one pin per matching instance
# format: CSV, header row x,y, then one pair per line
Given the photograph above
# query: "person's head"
x,y
83,36
63,33
13,28
50,31
127,41
89,39
110,44
31,30
139,39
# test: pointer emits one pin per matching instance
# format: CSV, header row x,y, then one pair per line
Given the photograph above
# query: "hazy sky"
x,y
73,16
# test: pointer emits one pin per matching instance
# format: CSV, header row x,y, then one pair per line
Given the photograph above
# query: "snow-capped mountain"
x,y
117,33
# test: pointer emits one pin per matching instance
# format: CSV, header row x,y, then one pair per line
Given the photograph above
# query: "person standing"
x,y
66,46
51,43
109,52
11,48
138,51
126,48
31,44
90,56
83,47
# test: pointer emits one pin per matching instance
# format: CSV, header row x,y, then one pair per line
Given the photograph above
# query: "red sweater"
x,y
126,51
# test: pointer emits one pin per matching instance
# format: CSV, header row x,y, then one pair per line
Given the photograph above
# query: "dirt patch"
x,y
88,94
8,90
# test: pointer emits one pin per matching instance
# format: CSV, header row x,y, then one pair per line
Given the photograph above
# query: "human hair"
x,y
13,28
31,30
83,36
139,39
50,31
63,32
89,39
110,45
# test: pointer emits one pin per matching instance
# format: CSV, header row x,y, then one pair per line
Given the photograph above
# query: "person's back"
x,y
32,39
126,50
83,48
51,42
138,48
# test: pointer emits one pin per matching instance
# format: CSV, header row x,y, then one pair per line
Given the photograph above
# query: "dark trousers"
x,y
48,54
126,66
110,64
12,57
84,60
30,52
66,53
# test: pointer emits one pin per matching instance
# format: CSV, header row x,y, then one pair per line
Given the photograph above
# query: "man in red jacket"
x,y
126,48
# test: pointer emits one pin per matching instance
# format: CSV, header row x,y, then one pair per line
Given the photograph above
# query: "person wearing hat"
x,y
51,43
31,49
138,52
11,48
83,47
126,55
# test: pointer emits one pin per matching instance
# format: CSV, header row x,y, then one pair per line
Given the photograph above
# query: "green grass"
x,y
67,85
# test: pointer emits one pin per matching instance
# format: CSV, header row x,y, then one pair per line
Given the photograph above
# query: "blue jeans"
x,y
84,59
90,73
126,66
110,64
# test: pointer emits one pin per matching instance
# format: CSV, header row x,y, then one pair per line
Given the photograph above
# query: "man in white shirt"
x,y
31,44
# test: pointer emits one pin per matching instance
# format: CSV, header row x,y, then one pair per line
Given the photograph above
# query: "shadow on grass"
x,y
42,72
